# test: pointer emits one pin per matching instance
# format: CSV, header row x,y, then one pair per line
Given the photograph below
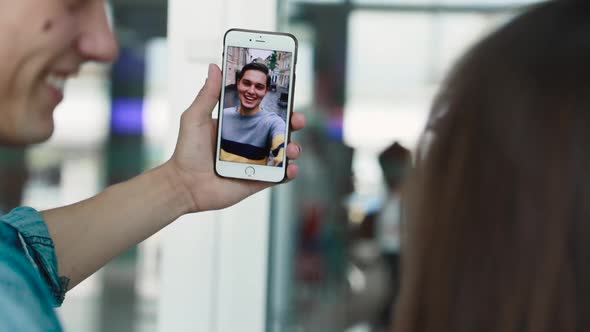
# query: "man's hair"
x,y
499,208
394,161
256,66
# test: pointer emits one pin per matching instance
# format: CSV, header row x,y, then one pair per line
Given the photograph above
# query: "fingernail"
x,y
299,147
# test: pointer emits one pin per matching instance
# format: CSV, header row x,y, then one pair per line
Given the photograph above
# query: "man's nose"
x,y
97,41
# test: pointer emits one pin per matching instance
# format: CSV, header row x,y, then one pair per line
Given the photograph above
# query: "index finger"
x,y
297,121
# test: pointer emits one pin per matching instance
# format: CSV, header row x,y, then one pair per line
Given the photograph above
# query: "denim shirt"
x,y
29,283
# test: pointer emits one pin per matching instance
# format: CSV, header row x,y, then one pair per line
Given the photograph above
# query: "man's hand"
x,y
191,168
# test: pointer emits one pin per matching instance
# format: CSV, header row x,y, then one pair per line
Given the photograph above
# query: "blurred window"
x,y
474,3
397,52
396,61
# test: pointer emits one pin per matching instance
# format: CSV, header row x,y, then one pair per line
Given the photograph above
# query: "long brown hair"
x,y
499,207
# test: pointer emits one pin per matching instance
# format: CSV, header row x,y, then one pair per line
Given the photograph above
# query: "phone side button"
x,y
250,171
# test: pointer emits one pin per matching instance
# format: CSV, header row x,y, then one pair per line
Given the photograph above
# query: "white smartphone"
x,y
256,105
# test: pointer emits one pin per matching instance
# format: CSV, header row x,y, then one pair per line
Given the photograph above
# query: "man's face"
x,y
252,89
43,42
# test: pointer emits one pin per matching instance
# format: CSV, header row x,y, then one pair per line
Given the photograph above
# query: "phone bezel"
x,y
266,40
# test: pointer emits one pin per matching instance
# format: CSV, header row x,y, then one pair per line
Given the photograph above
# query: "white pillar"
x,y
214,264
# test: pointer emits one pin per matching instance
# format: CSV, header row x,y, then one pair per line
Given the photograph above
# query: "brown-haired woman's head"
x,y
499,211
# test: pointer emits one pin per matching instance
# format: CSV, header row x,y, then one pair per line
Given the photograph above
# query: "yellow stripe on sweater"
x,y
226,156
276,142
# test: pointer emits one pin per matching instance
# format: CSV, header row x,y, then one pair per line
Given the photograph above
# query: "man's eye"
x,y
260,87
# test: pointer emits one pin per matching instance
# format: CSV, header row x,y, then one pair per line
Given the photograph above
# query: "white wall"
x,y
214,265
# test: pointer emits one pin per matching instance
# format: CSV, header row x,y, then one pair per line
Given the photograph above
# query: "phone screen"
x,y
255,106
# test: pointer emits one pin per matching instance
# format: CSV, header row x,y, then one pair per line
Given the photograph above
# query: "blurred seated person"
x,y
499,203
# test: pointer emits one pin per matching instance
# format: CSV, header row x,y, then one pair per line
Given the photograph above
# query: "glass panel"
x,y
336,230
474,3
390,62
387,51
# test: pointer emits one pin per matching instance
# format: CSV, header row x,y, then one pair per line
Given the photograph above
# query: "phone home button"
x,y
250,171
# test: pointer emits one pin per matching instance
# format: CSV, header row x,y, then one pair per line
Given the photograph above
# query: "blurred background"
x,y
319,254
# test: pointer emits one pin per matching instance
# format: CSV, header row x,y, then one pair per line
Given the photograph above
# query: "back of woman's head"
x,y
499,214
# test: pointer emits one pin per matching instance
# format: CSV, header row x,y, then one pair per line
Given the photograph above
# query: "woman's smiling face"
x,y
43,43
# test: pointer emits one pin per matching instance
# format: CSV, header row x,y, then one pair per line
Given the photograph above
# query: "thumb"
x,y
208,97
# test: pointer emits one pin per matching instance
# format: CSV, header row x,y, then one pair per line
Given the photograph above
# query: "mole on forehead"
x,y
48,25
75,3
71,3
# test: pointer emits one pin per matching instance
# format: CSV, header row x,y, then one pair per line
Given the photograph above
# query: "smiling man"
x,y
251,134
45,253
